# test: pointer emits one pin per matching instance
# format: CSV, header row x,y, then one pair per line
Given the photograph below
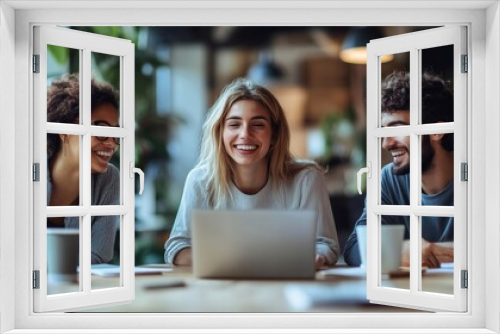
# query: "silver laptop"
x,y
254,244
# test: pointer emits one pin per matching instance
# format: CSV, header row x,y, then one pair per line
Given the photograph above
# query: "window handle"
x,y
367,170
141,175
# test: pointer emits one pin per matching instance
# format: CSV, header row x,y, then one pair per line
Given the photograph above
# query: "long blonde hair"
x,y
214,160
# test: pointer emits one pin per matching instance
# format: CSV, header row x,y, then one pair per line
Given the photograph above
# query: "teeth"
x,y
396,154
246,147
104,153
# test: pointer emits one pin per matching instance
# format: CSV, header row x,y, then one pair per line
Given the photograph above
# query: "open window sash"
x,y
84,44
414,44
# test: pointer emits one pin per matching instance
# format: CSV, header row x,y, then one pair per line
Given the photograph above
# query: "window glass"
x,y
63,171
105,170
438,258
63,256
437,170
105,149
106,246
395,96
394,252
437,107
395,164
437,103
61,63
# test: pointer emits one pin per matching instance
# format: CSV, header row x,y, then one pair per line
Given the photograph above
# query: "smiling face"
x,y
247,134
399,147
102,150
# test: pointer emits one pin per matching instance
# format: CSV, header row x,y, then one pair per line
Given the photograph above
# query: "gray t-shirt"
x,y
306,191
395,191
105,189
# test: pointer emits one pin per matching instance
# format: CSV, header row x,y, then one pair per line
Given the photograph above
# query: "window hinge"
x,y
36,172
465,279
465,171
465,64
36,63
36,279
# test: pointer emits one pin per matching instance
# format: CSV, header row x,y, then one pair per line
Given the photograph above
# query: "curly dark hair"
x,y
437,99
63,103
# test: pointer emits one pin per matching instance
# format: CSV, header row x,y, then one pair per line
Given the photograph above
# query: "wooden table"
x,y
343,290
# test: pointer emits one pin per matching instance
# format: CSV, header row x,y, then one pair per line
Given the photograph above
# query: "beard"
x,y
401,170
427,157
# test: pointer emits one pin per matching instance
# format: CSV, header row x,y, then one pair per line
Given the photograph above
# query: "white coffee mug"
x,y
63,253
391,246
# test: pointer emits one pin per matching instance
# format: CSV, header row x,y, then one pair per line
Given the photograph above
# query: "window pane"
x,y
437,254
437,85
63,254
395,96
437,171
105,155
63,183
394,252
106,76
395,177
106,247
105,169
63,95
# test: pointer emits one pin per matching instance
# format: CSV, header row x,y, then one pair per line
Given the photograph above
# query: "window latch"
x,y
133,170
367,170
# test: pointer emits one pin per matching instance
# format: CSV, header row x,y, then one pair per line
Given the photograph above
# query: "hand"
x,y
320,262
184,258
433,254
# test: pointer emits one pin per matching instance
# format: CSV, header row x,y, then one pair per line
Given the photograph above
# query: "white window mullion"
x,y
460,156
403,131
85,168
85,254
40,156
415,179
373,198
127,229
80,130
406,210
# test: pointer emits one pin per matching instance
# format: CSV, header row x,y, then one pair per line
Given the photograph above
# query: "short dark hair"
x,y
63,103
437,99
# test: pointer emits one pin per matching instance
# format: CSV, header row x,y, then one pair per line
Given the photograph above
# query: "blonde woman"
x,y
245,163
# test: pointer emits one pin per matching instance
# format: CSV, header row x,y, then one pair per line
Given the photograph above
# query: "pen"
x,y
166,285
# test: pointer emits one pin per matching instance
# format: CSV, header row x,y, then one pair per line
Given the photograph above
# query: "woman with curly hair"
x,y
63,154
245,163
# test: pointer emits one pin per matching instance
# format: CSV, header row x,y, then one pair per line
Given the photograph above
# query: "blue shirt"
x,y
395,191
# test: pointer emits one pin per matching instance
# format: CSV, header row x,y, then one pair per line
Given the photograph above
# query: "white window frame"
x,y
86,43
413,44
483,20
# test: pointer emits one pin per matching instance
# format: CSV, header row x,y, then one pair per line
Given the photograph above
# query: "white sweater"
x,y
306,191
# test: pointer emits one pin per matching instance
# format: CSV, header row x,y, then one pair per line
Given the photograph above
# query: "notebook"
x,y
257,244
